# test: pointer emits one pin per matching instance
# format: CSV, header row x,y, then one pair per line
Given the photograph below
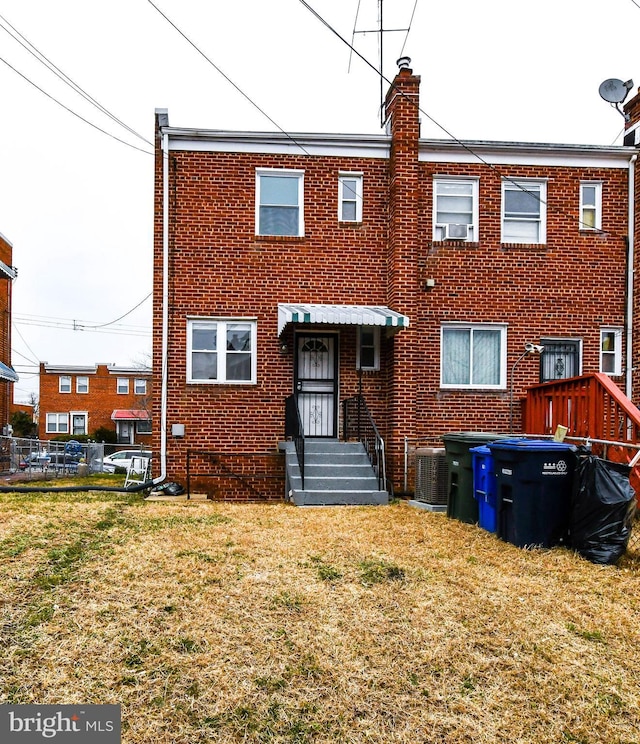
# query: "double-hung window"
x,y
455,209
350,197
279,202
64,384
122,386
611,351
524,213
221,351
473,356
590,205
139,386
57,423
368,356
82,384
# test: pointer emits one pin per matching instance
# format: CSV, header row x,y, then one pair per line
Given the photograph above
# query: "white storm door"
x,y
316,384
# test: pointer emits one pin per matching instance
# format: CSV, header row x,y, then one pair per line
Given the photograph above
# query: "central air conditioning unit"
x,y
432,475
455,232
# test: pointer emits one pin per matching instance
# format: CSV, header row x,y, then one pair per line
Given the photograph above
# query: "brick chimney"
x,y
403,124
632,124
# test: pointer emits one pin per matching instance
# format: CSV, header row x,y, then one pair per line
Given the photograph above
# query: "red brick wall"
x,y
569,287
100,402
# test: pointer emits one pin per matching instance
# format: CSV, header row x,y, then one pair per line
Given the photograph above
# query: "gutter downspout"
x,y
165,310
630,277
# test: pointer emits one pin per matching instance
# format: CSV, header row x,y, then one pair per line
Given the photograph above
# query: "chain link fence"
x,y
37,456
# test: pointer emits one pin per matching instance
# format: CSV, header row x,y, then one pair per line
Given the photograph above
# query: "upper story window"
x,y
368,355
473,356
611,351
455,209
221,351
350,197
590,205
122,385
524,213
82,384
64,384
279,202
140,386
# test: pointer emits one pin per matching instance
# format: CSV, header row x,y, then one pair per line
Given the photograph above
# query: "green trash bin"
x,y
461,502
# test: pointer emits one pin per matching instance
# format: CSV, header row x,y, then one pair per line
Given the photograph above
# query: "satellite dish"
x,y
614,91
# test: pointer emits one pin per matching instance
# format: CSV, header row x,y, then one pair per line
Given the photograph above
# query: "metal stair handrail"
x,y
293,429
358,424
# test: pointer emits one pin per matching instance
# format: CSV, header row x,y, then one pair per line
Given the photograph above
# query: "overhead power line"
x,y
37,54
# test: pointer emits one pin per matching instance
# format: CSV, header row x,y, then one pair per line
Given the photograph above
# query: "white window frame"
x,y
143,426
56,428
139,386
221,326
595,208
375,330
281,173
64,384
616,352
80,385
85,416
438,226
122,386
347,196
529,185
472,328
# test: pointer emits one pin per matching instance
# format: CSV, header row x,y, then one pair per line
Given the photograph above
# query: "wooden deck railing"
x,y
591,407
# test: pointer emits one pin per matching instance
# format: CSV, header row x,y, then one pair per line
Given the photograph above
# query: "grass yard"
x,y
270,623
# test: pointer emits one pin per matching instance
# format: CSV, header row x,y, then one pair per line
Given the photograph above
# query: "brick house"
x,y
411,272
78,400
7,374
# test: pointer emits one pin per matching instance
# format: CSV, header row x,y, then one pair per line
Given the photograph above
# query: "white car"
x,y
122,459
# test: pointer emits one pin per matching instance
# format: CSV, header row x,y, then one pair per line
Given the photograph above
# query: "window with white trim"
x,y
140,386
455,209
611,351
143,426
82,384
221,351
57,423
64,384
350,197
368,353
590,205
122,385
473,356
79,422
279,202
524,213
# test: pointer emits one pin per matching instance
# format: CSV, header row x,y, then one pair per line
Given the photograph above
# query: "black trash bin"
x,y
534,482
461,502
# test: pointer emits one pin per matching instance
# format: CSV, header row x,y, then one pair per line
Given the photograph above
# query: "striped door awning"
x,y
360,315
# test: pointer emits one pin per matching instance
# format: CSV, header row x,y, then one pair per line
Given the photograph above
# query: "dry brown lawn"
x,y
270,623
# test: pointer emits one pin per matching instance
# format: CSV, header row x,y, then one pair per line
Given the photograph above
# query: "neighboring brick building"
x,y
450,256
78,400
7,374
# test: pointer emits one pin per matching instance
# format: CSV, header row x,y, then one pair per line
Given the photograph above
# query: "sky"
x,y
76,202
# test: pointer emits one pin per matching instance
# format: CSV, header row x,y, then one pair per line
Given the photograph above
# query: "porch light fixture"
x,y
528,349
283,347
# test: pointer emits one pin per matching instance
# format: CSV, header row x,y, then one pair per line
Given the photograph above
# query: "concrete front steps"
x,y
336,474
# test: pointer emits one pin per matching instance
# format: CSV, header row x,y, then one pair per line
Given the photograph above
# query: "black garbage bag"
x,y
602,509
171,489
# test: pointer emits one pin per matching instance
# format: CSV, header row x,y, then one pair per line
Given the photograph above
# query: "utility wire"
x,y
227,78
17,330
413,12
111,322
466,147
66,108
35,52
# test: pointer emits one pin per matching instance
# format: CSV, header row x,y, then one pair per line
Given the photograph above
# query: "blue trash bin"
x,y
534,478
484,487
